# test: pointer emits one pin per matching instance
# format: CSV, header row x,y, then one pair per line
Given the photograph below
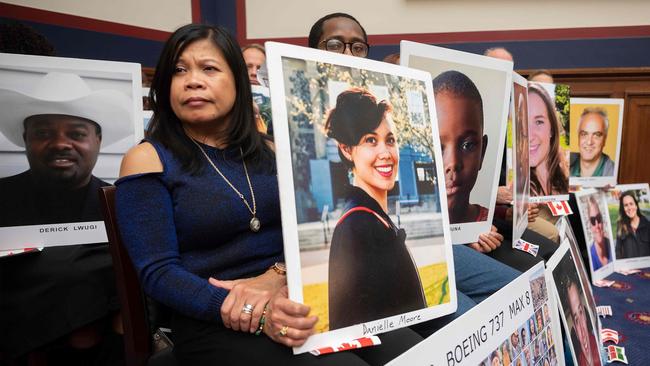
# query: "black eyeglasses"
x,y
358,48
598,219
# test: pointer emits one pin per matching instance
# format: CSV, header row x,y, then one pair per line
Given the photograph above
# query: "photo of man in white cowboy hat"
x,y
61,124
60,119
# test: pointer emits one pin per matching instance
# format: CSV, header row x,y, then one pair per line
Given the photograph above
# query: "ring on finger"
x,y
247,309
283,332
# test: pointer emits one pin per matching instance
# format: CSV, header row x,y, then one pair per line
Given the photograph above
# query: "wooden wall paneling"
x,y
634,167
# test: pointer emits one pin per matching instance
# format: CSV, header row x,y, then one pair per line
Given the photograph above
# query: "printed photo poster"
x,y
518,325
596,225
577,318
548,134
517,150
262,100
567,236
472,98
360,181
629,209
596,130
78,118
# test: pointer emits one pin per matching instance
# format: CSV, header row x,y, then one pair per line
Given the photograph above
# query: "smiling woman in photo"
x,y
368,251
633,229
548,168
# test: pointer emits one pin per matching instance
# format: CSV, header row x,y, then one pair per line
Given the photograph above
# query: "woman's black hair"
x,y
317,29
166,128
356,114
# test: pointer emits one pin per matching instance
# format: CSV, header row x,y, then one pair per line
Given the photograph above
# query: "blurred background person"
x,y
500,53
254,56
541,76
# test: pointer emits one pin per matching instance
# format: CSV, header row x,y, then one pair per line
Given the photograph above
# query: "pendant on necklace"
x,y
255,224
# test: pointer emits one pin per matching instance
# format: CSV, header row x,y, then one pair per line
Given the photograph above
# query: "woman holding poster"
x,y
633,229
198,210
368,251
549,173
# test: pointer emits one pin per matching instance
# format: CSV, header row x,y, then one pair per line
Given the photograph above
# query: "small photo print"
x,y
515,343
532,327
527,358
549,337
597,228
520,361
629,209
539,319
506,352
524,335
539,291
595,141
547,315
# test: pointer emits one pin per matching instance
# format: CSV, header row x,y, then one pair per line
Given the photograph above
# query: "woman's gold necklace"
x,y
254,223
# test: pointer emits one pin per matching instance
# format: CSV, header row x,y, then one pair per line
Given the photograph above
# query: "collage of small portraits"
x,y
530,345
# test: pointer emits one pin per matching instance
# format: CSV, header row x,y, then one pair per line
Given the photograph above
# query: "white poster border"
x,y
469,232
274,53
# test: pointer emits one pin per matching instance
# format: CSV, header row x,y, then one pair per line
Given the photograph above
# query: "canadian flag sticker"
x,y
560,208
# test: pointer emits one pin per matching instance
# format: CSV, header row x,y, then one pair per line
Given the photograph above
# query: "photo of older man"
x,y
591,161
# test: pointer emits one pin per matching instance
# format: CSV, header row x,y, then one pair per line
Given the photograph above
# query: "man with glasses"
x,y
340,33
599,251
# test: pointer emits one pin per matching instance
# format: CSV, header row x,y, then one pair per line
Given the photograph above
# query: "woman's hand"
x,y
287,322
255,291
504,194
488,242
533,212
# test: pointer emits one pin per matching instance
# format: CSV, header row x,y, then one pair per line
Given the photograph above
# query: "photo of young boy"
x,y
472,99
459,107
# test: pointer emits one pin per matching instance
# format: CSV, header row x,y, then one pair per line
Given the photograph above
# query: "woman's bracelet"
x,y
260,329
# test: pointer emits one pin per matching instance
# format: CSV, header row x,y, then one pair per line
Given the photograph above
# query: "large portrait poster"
x,y
517,325
596,129
472,95
367,245
519,170
596,224
629,209
64,126
548,135
579,321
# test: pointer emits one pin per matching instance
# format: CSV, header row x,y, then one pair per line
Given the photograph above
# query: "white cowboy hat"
x,y
65,93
